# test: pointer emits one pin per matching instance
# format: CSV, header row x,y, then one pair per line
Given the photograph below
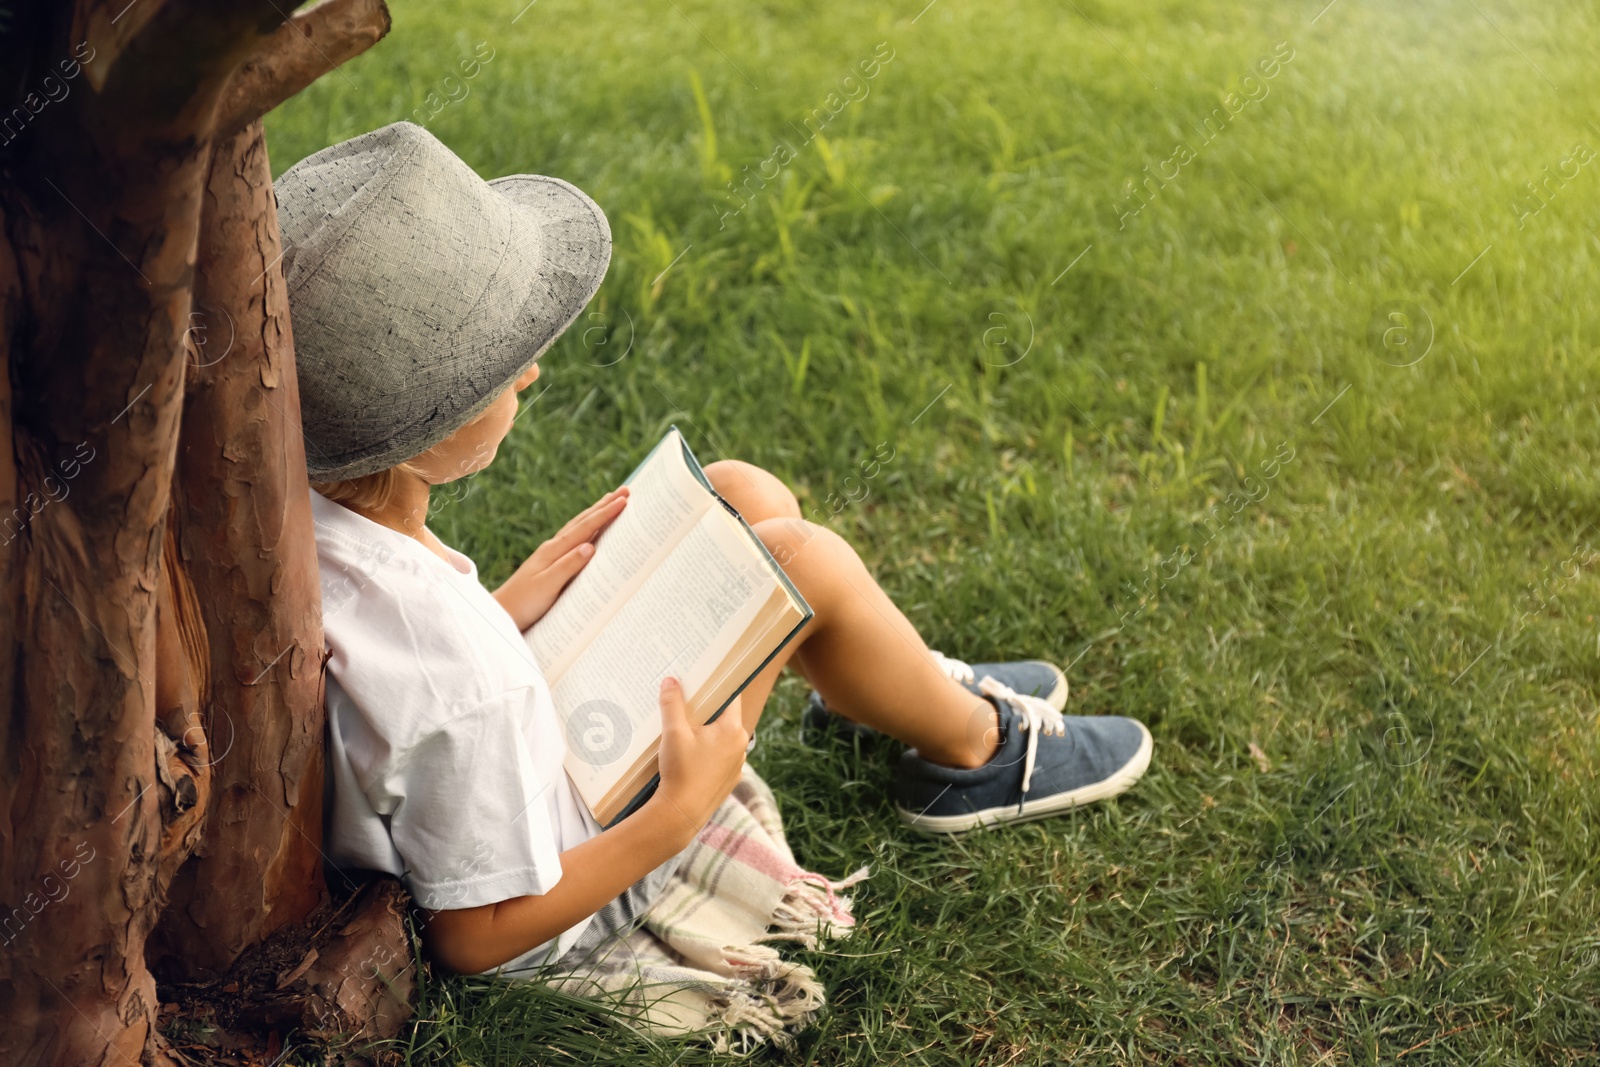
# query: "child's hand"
x,y
700,765
530,592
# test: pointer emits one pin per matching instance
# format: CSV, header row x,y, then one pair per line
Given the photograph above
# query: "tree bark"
x,y
98,303
247,546
105,767
359,987
309,45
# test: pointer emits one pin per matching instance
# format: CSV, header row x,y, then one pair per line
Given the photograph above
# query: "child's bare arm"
x,y
699,767
469,940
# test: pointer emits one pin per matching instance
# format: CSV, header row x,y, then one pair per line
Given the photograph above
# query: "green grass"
x,y
1402,622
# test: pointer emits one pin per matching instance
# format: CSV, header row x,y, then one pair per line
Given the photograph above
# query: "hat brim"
x,y
575,249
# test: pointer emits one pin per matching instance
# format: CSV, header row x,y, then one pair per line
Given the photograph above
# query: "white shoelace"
x,y
1036,716
957,670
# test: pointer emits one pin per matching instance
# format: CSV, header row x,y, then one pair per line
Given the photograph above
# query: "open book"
x,y
679,584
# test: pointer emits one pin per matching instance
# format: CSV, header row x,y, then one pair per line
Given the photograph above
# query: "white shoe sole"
x,y
1044,807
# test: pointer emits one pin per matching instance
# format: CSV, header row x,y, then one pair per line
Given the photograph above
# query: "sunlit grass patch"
x,y
1342,564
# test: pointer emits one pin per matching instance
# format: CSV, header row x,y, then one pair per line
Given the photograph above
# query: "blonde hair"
x,y
370,492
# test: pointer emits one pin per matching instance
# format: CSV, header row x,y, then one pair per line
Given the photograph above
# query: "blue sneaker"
x,y
1047,763
1031,677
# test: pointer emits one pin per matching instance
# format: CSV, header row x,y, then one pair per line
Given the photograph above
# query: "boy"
x,y
422,298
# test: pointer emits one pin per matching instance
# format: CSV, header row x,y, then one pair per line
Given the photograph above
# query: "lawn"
x,y
1287,451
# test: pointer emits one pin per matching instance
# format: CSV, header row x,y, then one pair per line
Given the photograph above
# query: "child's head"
x,y
421,298
466,451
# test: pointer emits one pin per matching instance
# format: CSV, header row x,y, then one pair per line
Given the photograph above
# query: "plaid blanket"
x,y
689,949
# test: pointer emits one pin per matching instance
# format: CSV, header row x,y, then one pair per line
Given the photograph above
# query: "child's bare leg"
x,y
860,652
867,660
869,663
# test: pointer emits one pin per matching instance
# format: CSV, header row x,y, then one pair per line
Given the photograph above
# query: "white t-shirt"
x,y
445,751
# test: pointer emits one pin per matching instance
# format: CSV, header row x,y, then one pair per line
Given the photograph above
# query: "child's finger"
x,y
673,712
579,532
616,494
581,517
572,523
565,568
592,521
605,516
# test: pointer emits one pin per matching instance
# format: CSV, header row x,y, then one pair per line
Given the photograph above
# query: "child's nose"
x,y
529,376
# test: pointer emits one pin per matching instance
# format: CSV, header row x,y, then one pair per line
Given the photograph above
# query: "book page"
x,y
682,620
664,500
776,620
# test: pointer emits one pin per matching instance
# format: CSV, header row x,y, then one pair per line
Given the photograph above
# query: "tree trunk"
x,y
247,545
155,707
95,325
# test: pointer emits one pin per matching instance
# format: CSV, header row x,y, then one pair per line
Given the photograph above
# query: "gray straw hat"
x,y
418,292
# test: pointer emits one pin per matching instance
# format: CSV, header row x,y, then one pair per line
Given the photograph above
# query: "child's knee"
x,y
757,494
794,543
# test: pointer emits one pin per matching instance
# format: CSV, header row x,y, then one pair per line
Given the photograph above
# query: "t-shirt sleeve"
x,y
472,815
